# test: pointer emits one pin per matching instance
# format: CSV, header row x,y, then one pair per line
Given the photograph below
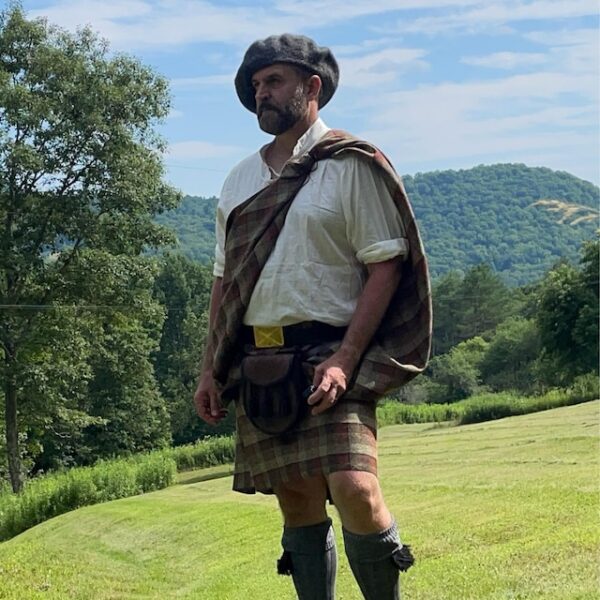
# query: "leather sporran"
x,y
273,391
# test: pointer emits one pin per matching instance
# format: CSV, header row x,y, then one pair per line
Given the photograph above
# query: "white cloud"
x,y
565,37
337,10
502,119
498,14
194,82
379,67
200,150
173,22
506,60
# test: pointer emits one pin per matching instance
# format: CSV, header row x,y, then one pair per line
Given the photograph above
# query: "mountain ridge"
x,y
484,214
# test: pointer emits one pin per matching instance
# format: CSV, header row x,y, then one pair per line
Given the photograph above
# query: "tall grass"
x,y
57,493
488,407
208,452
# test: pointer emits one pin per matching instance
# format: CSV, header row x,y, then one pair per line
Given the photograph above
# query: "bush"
x,y
393,413
204,453
488,407
58,493
498,406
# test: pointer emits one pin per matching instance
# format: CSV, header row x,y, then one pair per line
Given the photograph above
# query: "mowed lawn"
x,y
506,510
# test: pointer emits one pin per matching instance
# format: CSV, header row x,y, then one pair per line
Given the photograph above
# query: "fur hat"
x,y
292,49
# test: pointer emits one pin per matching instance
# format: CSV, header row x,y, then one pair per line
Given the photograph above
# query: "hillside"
x,y
467,217
484,214
504,509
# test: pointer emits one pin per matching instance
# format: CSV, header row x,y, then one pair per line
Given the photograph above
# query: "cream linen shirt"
x,y
342,219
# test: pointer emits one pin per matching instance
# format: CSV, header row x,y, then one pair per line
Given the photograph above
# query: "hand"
x,y
330,380
206,400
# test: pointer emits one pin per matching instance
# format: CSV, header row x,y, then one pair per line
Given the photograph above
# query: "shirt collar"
x,y
310,137
305,142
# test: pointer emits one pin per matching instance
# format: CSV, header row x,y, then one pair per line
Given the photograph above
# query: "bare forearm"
x,y
332,375
207,397
215,301
372,304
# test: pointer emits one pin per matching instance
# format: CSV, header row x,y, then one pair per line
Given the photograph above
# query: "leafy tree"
x,y
183,288
80,174
487,302
469,306
510,359
448,304
458,370
567,317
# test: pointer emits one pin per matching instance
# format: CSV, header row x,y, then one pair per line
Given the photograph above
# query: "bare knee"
x,y
358,498
302,501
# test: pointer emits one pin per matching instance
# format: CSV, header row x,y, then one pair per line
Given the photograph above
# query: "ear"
x,y
313,87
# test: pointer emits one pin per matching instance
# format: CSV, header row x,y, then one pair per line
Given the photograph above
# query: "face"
x,y
280,98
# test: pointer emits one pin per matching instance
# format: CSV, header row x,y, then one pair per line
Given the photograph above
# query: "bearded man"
x,y
320,278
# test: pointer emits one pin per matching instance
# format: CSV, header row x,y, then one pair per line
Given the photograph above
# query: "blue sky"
x,y
437,84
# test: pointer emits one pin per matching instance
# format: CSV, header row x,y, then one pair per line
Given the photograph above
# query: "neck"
x,y
283,144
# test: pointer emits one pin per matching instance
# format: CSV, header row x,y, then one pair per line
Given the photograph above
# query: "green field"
x,y
505,509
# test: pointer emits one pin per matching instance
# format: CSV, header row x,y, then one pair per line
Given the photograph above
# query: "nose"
x,y
261,92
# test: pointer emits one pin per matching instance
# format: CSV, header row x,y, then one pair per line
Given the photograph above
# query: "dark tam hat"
x,y
291,49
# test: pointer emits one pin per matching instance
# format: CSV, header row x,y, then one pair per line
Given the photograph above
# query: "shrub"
x,y
204,453
57,493
489,406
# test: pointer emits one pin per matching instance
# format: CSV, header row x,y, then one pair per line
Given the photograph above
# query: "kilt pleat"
x,y
343,438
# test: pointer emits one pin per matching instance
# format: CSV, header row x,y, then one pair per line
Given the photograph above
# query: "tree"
x,y
80,175
183,288
487,302
510,359
469,306
448,305
567,317
458,370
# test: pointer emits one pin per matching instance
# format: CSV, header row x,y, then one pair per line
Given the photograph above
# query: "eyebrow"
x,y
270,77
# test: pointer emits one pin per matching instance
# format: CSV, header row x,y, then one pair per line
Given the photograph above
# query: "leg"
x,y
373,546
308,541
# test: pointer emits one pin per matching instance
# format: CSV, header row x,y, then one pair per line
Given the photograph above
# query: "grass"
x,y
499,510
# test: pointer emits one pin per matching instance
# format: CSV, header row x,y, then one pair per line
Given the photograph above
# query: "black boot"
x,y
375,560
310,558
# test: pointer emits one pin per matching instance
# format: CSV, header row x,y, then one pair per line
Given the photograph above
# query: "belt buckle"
x,y
268,337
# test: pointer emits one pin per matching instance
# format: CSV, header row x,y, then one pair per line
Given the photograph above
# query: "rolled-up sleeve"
x,y
373,224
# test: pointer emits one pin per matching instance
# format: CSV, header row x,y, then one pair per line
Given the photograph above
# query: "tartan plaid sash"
x,y
401,346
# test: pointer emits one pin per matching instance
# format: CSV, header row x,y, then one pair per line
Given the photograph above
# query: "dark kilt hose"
x,y
343,437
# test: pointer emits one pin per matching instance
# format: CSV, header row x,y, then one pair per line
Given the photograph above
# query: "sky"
x,y
436,84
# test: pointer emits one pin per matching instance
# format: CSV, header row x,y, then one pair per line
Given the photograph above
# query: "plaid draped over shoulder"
x,y
400,349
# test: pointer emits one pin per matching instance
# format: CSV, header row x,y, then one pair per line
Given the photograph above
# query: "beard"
x,y
275,120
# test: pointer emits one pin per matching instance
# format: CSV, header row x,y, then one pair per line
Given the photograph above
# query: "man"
x,y
316,249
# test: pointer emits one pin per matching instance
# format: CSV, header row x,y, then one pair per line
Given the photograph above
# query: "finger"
x,y
199,403
203,410
215,408
320,392
327,401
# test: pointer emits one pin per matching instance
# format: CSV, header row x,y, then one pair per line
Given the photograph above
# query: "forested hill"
x,y
467,217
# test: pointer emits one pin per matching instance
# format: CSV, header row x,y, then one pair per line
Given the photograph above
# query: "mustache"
x,y
266,106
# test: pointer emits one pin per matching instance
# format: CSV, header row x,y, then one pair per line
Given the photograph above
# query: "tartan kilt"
x,y
343,438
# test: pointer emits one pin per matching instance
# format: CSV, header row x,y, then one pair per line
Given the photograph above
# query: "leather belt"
x,y
299,334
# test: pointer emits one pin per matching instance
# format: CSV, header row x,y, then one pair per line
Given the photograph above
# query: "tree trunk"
x,y
12,430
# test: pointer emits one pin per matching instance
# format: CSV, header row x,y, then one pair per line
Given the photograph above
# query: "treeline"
x,y
489,337
113,379
120,381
